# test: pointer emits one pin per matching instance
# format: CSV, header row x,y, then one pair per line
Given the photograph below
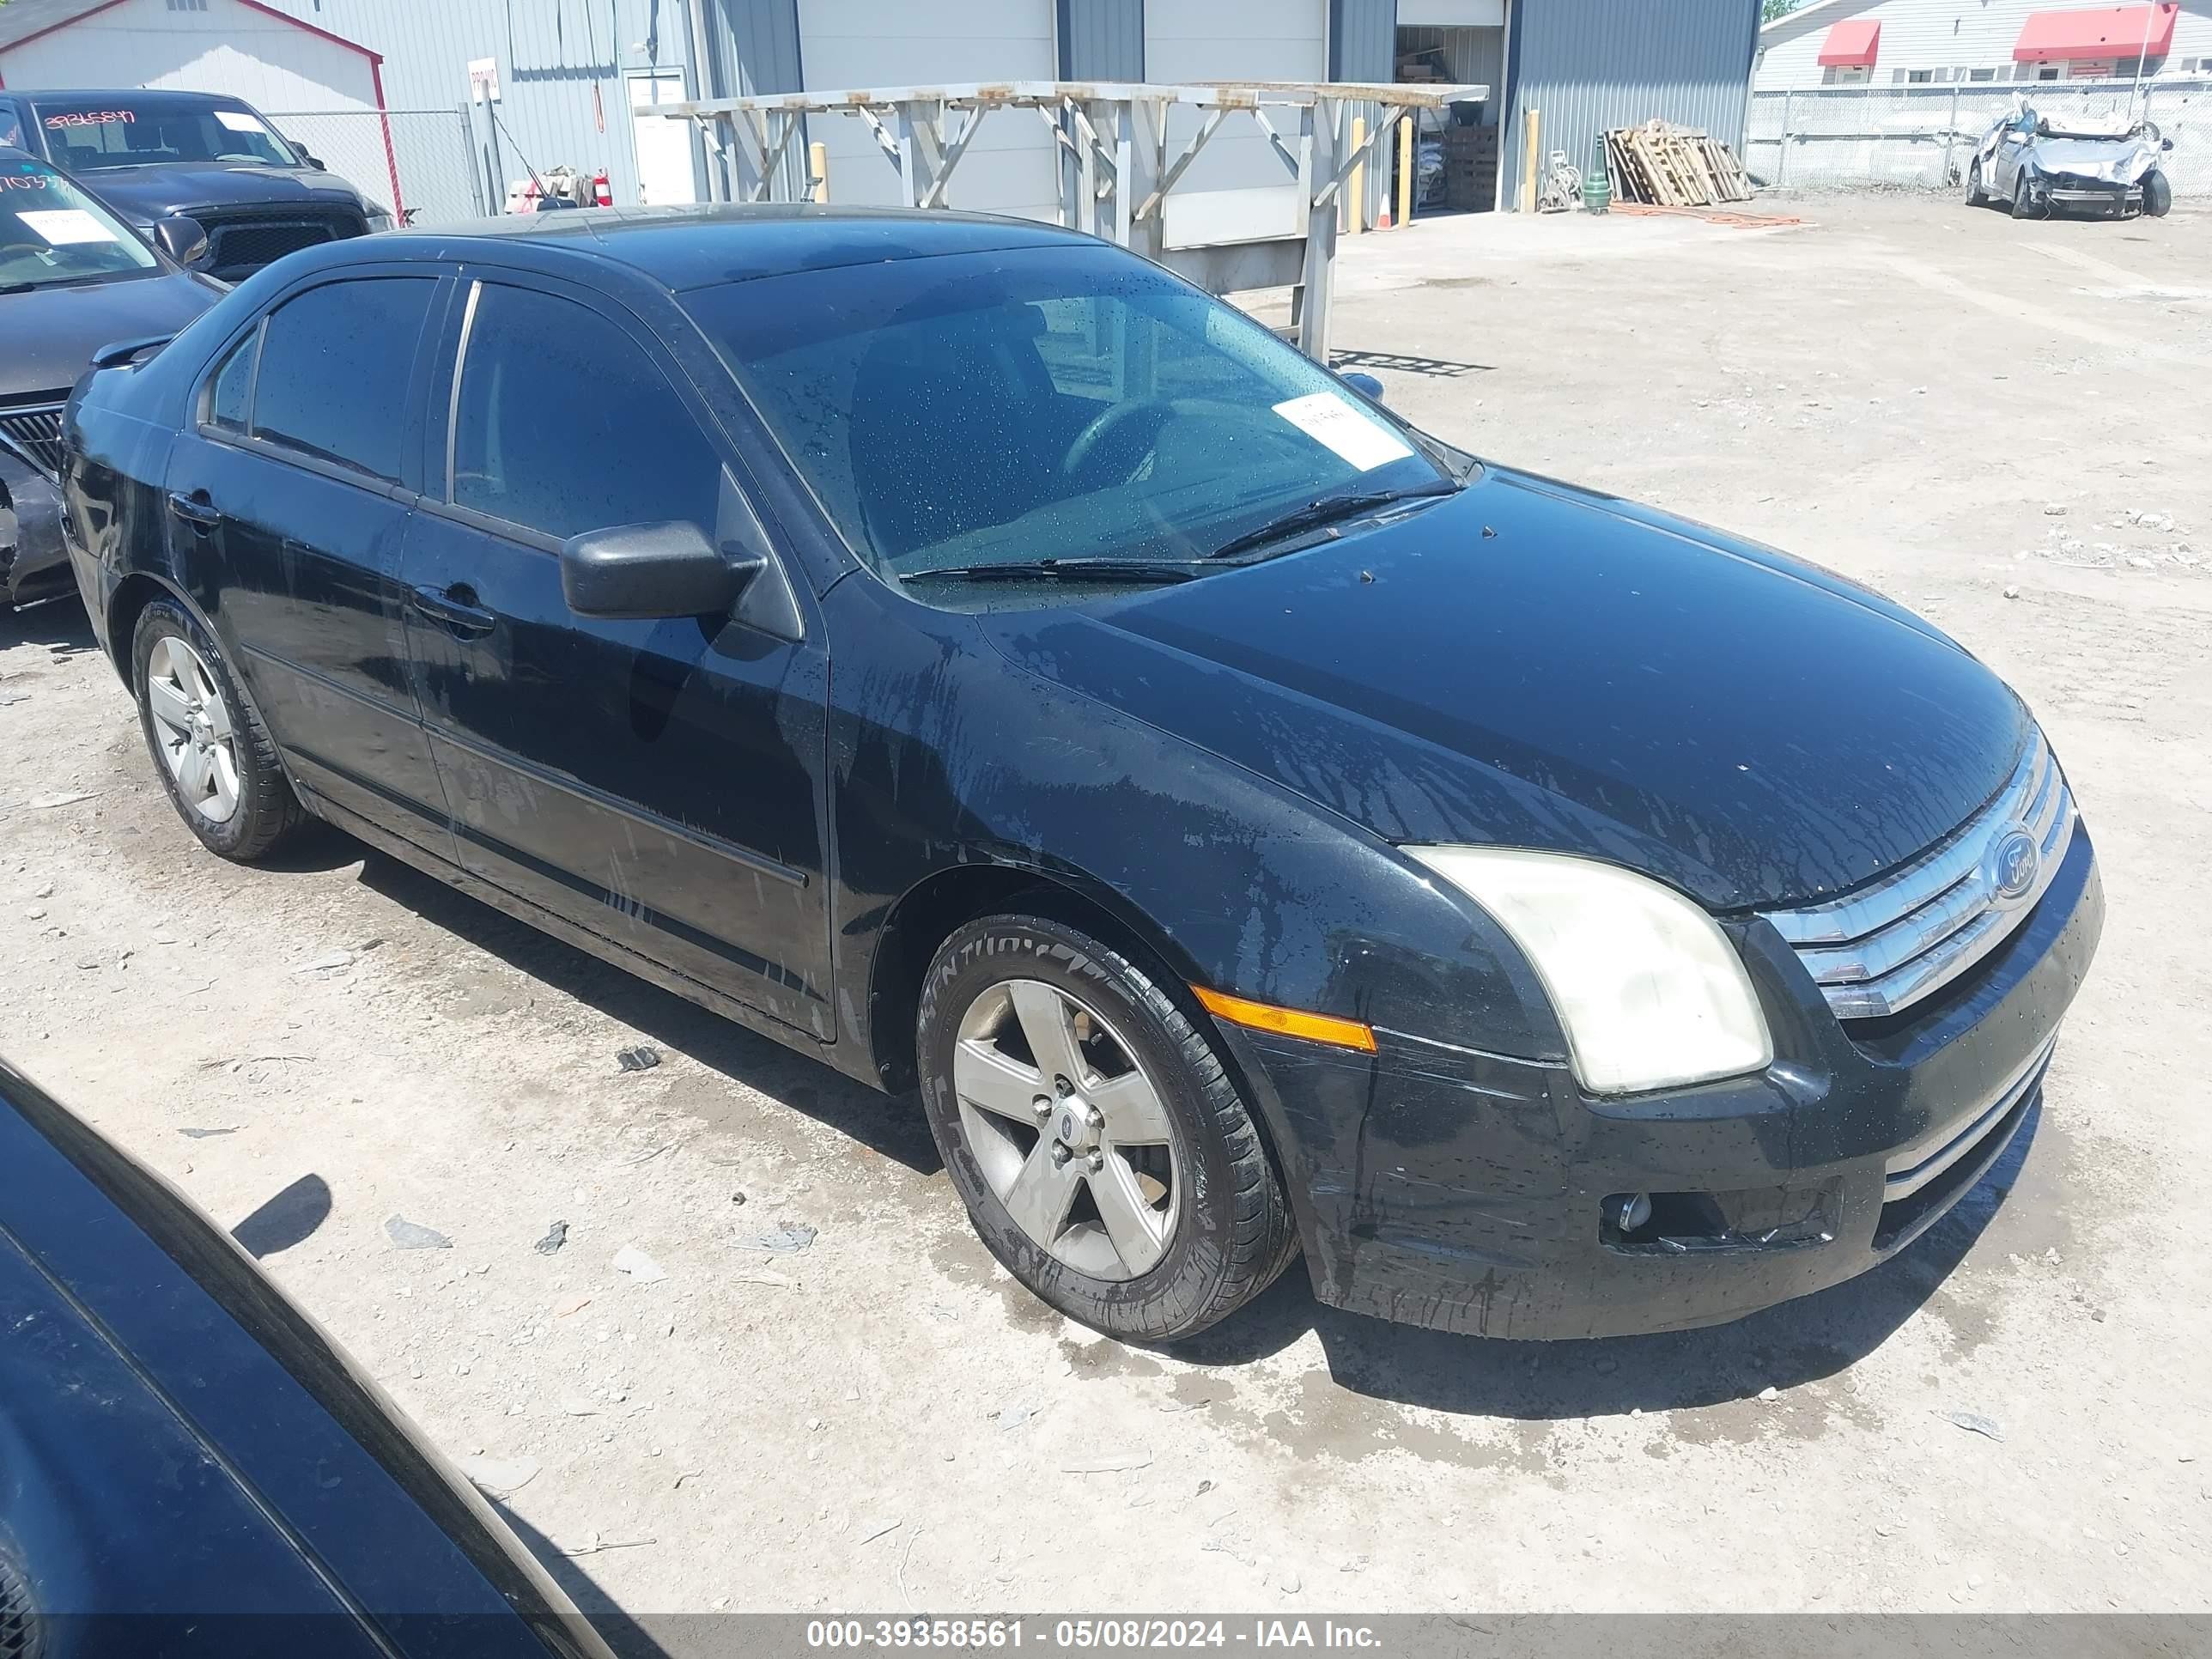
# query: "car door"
x,y
290,488
662,782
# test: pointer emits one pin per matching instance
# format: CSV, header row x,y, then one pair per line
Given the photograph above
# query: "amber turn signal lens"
x,y
1286,1021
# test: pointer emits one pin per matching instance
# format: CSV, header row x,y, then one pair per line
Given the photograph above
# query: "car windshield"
x,y
151,129
52,233
1060,403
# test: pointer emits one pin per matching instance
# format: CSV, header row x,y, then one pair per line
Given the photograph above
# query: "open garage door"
x,y
1011,167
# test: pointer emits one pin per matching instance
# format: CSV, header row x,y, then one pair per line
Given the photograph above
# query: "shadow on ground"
x,y
894,1129
1785,1346
58,624
1797,1342
1407,362
618,1629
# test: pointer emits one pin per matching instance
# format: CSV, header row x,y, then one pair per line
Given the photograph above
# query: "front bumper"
x,y
1468,1191
33,564
2054,191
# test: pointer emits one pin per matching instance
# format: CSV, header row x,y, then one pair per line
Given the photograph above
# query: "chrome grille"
x,y
34,432
1882,948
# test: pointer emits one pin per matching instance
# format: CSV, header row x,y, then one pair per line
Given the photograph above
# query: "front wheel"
x,y
2021,208
1105,1155
2157,194
217,764
1976,195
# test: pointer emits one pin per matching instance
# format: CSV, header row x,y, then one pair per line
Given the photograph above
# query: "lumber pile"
x,y
1666,166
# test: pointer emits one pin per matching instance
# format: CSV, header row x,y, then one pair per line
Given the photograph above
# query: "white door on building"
x,y
846,45
664,147
1238,189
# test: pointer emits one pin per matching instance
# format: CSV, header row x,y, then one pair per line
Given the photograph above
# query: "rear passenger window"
x,y
566,426
233,384
334,369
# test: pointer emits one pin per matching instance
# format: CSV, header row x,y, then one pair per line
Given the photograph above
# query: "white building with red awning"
x,y
1923,42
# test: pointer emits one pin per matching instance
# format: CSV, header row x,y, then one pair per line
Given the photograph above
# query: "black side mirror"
x,y
183,240
2166,143
313,162
653,570
1363,383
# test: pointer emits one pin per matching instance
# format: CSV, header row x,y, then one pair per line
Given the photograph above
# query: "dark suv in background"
x,y
153,156
74,279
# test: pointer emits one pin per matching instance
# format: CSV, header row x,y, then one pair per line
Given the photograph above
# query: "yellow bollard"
x,y
1408,164
1355,204
817,163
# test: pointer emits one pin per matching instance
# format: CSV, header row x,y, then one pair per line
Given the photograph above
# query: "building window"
x,y
1919,77
1843,75
1982,75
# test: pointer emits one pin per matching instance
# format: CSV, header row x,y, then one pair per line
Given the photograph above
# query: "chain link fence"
x,y
424,157
1923,136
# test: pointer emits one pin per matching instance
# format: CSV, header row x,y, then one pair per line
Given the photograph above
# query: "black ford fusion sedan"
x,y
971,655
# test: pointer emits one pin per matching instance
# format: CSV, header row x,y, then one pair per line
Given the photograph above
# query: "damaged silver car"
x,y
2039,166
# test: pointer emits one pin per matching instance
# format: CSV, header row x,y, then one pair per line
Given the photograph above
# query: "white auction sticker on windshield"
x,y
1339,425
239,121
62,227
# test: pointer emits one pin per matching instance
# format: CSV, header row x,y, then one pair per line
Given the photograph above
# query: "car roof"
x,y
687,247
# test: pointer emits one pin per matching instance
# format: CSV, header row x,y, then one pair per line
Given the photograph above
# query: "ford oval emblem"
x,y
2012,865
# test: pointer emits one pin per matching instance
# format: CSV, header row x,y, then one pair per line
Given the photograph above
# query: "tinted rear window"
x,y
335,364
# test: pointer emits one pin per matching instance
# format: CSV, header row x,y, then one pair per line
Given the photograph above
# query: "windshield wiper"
x,y
1327,510
1064,570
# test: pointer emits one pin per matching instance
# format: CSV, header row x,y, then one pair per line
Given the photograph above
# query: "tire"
x,y
1219,1223
2020,210
2157,194
219,765
1976,195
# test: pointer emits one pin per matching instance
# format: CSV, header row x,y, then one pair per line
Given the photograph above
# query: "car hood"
x,y
143,195
2126,158
1528,664
47,334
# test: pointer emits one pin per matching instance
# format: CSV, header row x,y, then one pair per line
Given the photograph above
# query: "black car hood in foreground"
x,y
1527,664
145,194
47,334
183,1454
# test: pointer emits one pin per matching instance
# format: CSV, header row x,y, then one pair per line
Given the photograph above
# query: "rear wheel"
x,y
2157,194
216,761
1105,1155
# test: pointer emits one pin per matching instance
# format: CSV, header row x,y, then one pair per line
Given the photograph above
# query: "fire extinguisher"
x,y
603,194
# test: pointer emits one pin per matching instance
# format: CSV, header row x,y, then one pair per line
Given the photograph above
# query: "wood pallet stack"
x,y
1672,167
1470,167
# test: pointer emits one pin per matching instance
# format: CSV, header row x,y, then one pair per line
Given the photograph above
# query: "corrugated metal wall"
x,y
1587,66
1101,40
1362,40
560,68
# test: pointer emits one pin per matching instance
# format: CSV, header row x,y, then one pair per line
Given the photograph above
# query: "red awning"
x,y
1852,43
2050,37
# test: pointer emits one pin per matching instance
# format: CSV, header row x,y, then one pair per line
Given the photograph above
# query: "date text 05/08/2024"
x,y
1072,1634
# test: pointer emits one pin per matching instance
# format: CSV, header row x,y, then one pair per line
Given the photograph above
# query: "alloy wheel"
x,y
198,740
1068,1129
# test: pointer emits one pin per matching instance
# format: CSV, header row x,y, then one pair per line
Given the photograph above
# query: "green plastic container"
x,y
1597,183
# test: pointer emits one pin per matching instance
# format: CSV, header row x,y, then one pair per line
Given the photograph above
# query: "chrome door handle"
x,y
455,609
195,510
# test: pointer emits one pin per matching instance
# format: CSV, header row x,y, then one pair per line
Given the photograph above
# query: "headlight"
x,y
1649,989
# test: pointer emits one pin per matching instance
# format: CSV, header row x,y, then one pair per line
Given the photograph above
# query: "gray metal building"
x,y
579,78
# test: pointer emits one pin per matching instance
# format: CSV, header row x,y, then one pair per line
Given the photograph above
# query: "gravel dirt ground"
x,y
1973,415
